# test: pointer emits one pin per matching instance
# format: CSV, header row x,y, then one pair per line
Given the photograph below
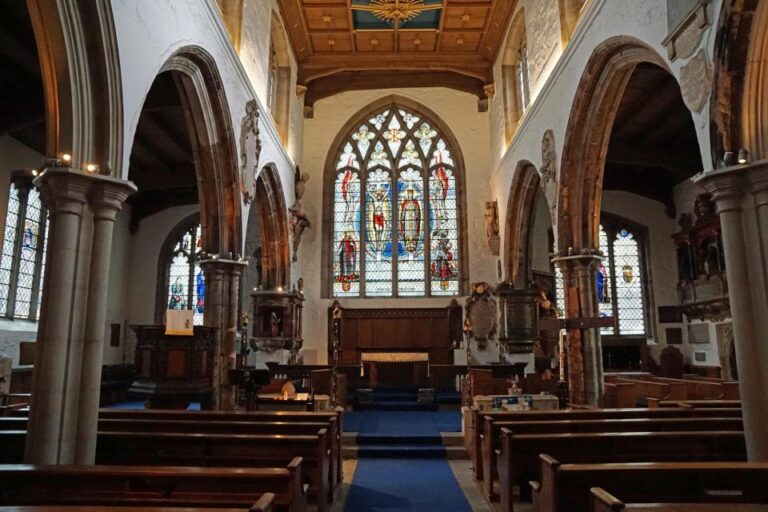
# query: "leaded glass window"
x,y
185,281
395,210
619,280
521,72
22,263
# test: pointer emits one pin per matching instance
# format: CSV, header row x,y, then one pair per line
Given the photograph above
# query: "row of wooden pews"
x,y
648,390
294,455
509,446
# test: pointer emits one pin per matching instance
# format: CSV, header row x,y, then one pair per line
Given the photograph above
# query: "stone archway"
x,y
213,145
593,111
267,240
755,99
519,218
589,127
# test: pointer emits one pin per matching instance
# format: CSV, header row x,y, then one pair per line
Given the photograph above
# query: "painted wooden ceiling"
x,y
347,44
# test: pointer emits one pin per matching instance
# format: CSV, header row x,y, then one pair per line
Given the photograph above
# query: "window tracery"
x,y
184,284
395,210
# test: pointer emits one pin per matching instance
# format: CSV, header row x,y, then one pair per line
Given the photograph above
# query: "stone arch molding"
x,y
209,124
520,211
586,143
270,206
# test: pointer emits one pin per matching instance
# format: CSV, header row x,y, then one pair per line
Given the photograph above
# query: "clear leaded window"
x,y
22,263
185,283
272,79
395,210
620,280
523,91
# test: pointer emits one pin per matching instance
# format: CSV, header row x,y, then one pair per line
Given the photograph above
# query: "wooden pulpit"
x,y
172,371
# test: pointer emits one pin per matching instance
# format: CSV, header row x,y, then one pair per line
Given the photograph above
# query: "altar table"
x,y
396,368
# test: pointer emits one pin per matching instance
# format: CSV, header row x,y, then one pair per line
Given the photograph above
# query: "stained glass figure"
x,y
395,210
186,280
22,261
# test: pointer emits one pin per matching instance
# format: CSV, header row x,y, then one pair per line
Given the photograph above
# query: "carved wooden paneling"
x,y
431,330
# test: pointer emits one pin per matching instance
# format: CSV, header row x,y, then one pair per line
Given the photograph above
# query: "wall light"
x,y
91,168
743,156
728,158
66,158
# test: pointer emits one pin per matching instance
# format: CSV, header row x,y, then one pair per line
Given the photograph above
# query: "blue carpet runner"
x,y
194,406
405,485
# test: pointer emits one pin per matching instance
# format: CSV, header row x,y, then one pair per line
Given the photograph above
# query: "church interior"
x,y
383,255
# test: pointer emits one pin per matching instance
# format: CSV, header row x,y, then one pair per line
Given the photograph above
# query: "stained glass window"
x,y
185,283
620,279
395,210
22,262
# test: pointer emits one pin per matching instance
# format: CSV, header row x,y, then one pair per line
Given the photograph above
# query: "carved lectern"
x,y
172,371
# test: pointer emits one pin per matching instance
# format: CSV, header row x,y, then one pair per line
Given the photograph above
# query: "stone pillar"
x,y
106,198
222,293
740,194
60,361
585,358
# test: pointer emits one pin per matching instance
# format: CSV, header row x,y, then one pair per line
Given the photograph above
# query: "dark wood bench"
x,y
603,501
333,417
479,421
619,395
203,450
566,487
694,404
518,459
491,442
209,427
258,507
246,489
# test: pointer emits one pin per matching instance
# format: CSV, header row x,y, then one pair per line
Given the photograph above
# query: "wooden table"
x,y
396,368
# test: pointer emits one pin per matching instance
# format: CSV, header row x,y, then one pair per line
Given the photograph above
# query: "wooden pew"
x,y
656,389
491,442
693,404
203,450
334,417
619,395
138,486
208,427
257,507
603,501
730,387
479,422
518,458
695,389
566,487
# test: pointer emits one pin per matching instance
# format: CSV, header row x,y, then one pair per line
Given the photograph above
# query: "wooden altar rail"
x,y
441,376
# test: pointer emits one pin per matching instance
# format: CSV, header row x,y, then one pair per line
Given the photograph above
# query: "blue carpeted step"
x,y
400,451
395,406
395,397
396,439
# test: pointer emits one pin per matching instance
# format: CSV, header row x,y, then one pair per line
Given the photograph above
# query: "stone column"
x,y
106,198
75,270
222,293
740,194
584,358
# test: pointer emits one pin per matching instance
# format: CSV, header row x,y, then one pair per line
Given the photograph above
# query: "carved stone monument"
x,y
492,226
250,150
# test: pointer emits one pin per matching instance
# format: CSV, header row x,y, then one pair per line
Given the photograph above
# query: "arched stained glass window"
x,y
185,282
395,210
22,263
620,279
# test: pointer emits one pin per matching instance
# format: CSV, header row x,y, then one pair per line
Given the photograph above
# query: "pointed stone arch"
x,y
519,218
213,145
272,211
586,142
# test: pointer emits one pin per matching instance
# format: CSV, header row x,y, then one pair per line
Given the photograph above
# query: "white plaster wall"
x,y
149,33
554,91
254,54
14,156
459,111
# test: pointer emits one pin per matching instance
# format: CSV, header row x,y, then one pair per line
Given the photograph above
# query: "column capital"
x,y
107,195
587,260
63,189
224,266
727,186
